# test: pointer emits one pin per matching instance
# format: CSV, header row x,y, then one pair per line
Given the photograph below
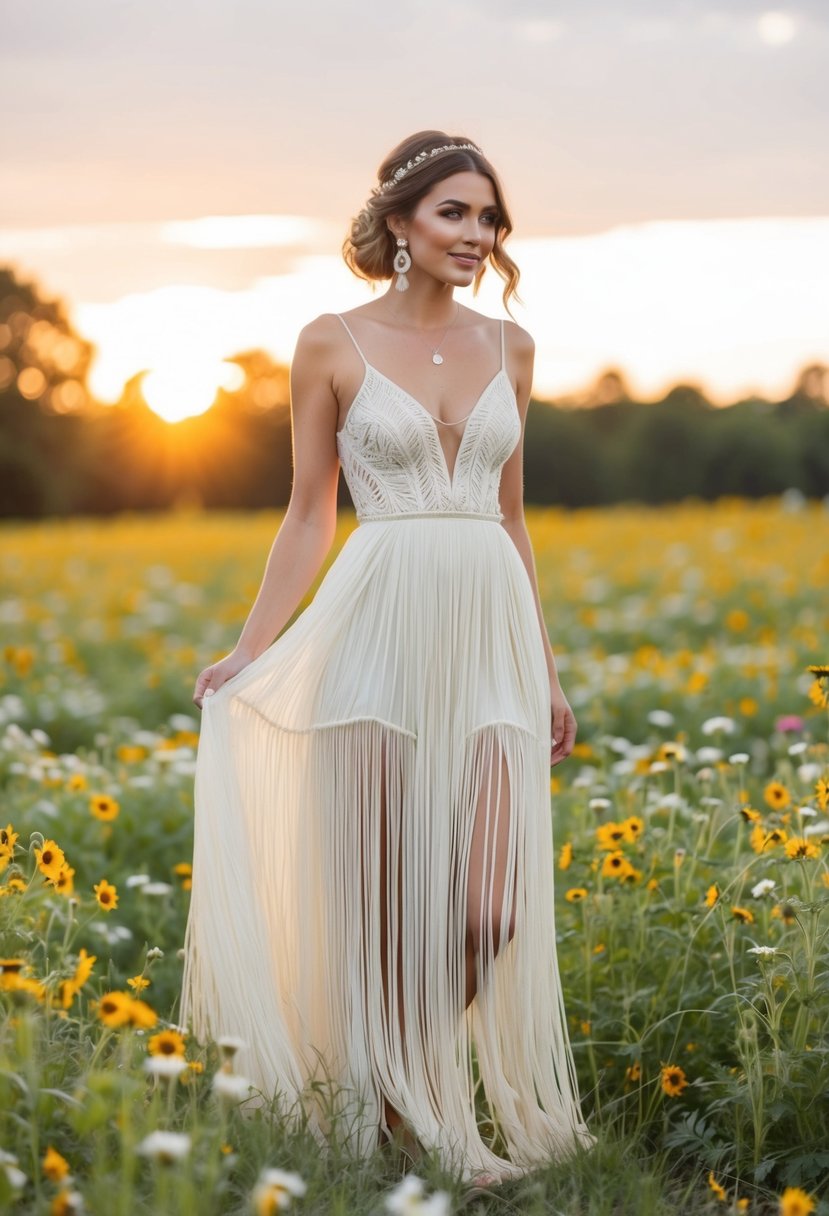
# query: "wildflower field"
x,y
691,828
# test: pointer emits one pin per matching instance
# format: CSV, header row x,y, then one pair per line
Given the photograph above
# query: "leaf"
x,y
764,1168
693,1136
64,1097
16,1078
805,1169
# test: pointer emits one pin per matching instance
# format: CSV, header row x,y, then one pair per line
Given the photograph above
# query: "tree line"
x,y
63,453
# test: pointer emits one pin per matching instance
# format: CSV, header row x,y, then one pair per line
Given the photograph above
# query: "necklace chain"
x,y
436,357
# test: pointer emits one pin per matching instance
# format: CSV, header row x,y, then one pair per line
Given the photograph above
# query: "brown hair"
x,y
370,247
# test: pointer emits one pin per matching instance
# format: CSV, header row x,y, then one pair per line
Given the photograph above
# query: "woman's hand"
x,y
564,725
213,677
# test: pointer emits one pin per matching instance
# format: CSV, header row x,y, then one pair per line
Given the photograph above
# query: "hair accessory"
x,y
424,155
402,262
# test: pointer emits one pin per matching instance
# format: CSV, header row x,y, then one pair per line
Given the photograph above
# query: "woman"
x,y
372,901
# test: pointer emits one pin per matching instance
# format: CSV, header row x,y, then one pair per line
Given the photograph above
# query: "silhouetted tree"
x,y
813,382
43,370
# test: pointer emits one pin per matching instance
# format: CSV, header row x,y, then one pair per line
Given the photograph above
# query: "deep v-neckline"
x,y
449,474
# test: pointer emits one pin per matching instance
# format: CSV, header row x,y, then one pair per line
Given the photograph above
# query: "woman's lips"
x,y
464,261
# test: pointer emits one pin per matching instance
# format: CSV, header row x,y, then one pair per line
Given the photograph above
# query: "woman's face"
x,y
458,216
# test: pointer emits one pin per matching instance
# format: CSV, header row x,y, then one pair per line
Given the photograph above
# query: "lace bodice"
x,y
393,461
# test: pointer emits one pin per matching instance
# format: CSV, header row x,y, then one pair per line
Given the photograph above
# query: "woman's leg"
x,y
390,893
491,894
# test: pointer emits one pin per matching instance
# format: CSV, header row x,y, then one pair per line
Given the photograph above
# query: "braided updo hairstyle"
x,y
370,247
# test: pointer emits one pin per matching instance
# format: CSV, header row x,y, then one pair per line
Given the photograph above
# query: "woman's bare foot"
x,y
399,1134
481,1184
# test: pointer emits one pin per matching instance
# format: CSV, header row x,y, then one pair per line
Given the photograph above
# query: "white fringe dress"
x,y
372,794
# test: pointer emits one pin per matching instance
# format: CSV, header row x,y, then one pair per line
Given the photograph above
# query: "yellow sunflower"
x,y
106,894
801,848
54,1166
673,1080
65,1203
611,835
141,1015
50,859
576,894
102,806
762,841
616,865
64,881
777,795
70,988
822,793
8,837
634,827
131,753
795,1202
113,1008
184,871
166,1043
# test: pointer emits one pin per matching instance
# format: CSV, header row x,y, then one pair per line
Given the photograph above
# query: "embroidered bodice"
x,y
394,463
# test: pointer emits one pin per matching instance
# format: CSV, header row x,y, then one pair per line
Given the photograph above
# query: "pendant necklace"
x,y
437,358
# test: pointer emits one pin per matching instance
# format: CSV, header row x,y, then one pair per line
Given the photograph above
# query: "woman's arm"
x,y
521,349
308,527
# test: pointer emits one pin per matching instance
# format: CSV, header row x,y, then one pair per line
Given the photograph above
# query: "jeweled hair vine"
x,y
424,155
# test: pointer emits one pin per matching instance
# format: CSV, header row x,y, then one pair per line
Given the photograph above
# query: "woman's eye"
x,y
493,219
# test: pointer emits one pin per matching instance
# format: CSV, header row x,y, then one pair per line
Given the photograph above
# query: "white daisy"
x,y
277,1188
165,1147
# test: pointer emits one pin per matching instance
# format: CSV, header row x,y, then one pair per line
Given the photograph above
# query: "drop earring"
x,y
402,262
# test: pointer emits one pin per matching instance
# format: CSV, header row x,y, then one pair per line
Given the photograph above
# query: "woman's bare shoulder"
x,y
318,332
519,340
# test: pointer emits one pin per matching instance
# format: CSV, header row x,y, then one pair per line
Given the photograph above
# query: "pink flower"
x,y
789,723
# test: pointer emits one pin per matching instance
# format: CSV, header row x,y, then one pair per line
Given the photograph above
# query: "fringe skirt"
x,y
372,811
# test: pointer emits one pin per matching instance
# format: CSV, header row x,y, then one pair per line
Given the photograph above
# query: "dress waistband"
x,y
369,519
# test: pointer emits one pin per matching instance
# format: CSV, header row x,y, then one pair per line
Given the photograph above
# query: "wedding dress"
x,y
372,792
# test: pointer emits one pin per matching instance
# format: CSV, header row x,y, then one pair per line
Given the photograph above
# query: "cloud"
x,y
243,231
776,28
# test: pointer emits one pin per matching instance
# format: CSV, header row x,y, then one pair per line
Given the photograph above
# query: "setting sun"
x,y
185,389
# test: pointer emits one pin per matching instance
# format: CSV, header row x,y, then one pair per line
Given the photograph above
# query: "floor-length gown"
x,y
371,794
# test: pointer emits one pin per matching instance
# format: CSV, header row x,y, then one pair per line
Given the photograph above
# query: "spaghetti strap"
x,y
353,339
365,360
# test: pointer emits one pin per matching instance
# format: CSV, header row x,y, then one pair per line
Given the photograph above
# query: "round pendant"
x,y
436,358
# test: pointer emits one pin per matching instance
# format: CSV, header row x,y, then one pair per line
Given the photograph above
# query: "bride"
x,y
372,899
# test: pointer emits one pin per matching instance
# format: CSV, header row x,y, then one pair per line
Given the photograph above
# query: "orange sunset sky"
x,y
183,175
